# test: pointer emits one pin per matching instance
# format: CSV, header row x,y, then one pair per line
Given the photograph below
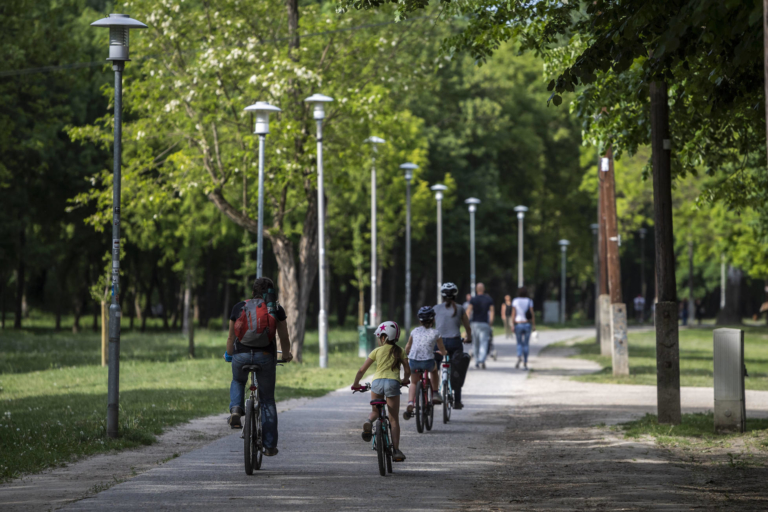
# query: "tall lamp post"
x,y
520,216
318,102
374,312
408,168
643,286
563,248
439,189
262,110
119,28
472,202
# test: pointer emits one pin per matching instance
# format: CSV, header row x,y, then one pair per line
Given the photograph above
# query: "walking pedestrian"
x,y
525,323
684,312
699,311
466,302
506,316
480,312
639,308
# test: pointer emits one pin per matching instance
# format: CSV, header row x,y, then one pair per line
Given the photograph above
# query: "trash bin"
x,y
366,339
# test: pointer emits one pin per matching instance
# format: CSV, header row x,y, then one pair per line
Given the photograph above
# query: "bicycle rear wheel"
x,y
429,410
258,440
248,438
446,403
419,408
380,447
388,448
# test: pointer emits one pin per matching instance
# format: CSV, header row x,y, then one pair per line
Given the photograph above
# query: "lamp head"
x,y
438,189
564,244
318,102
521,211
643,231
119,26
472,202
262,110
408,167
594,227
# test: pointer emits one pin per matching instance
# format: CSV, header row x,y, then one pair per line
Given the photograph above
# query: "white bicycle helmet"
x,y
449,290
391,329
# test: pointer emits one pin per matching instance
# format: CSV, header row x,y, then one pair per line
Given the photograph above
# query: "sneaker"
x,y
234,418
458,405
408,414
367,431
398,456
519,360
436,399
525,367
482,365
270,452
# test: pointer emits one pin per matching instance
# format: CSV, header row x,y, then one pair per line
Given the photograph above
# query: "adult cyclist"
x,y
449,317
266,357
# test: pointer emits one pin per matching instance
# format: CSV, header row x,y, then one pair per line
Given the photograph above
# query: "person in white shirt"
x,y
639,308
525,322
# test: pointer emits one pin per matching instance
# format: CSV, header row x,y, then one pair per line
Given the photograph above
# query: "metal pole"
x,y
439,244
472,275
520,216
260,235
113,383
644,287
322,321
562,288
374,269
407,256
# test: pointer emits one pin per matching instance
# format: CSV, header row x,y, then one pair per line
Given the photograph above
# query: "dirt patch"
x,y
56,488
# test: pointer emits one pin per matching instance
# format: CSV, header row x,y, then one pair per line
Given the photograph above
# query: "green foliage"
x,y
697,425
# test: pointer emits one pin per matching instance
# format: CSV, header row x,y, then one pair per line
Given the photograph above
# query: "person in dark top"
x,y
481,319
266,357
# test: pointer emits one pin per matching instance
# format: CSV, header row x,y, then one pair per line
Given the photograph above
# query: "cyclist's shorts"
x,y
426,366
386,387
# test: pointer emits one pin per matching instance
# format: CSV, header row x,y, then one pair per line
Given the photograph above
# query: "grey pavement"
x,y
323,462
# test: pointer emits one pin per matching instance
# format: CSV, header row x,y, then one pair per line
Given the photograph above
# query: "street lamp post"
x,y
643,286
439,189
318,102
472,202
374,312
563,248
119,28
520,216
262,110
408,167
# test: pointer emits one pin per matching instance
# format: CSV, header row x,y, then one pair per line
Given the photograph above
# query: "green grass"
x,y
53,390
696,364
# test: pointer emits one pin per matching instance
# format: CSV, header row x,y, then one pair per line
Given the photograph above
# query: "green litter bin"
x,y
366,339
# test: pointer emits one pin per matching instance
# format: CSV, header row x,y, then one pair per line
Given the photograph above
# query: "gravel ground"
x,y
519,444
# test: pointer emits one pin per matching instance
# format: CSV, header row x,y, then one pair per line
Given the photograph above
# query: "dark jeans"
x,y
266,381
454,346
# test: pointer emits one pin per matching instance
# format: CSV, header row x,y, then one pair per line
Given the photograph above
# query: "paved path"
x,y
323,462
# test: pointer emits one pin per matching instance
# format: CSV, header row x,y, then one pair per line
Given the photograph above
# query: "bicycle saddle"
x,y
251,367
378,402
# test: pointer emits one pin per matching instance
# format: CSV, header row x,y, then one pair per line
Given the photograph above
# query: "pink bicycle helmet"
x,y
390,328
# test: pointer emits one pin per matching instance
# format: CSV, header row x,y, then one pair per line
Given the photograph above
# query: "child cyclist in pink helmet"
x,y
386,381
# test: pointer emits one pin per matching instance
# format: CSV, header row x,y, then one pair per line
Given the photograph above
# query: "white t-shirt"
x,y
423,346
521,305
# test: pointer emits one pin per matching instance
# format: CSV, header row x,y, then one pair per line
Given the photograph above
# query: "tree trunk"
x,y
667,348
691,298
731,314
765,67
147,307
293,26
20,270
187,312
227,312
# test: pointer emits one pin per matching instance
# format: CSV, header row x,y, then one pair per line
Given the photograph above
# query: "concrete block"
x,y
606,342
730,407
551,312
619,338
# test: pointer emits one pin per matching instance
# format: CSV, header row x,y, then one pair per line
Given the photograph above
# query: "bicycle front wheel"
x,y
419,408
380,448
248,437
258,440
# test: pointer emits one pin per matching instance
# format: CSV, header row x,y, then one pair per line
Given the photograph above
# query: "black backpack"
x,y
459,367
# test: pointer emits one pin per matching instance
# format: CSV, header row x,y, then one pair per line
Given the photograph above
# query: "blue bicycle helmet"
x,y
426,313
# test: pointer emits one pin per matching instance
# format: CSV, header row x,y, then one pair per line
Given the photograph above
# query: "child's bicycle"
x,y
381,441
253,444
446,389
423,408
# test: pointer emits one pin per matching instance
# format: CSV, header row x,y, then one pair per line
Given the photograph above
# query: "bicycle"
x,y
423,408
446,389
381,442
253,444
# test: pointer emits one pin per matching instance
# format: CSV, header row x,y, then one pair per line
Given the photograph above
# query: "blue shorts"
x,y
426,366
386,387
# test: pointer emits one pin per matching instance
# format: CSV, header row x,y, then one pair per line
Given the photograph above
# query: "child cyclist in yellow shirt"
x,y
386,381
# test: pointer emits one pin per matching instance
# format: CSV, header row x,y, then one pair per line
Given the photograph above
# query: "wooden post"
x,y
103,333
604,300
667,348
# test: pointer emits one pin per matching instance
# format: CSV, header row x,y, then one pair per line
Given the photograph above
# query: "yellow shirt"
x,y
384,359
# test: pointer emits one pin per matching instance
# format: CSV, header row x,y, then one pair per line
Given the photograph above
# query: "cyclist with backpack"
x,y
254,326
449,317
386,381
421,356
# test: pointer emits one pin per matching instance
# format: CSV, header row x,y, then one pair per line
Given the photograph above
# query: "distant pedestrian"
x,y
525,322
506,316
639,308
684,312
466,302
480,312
699,311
